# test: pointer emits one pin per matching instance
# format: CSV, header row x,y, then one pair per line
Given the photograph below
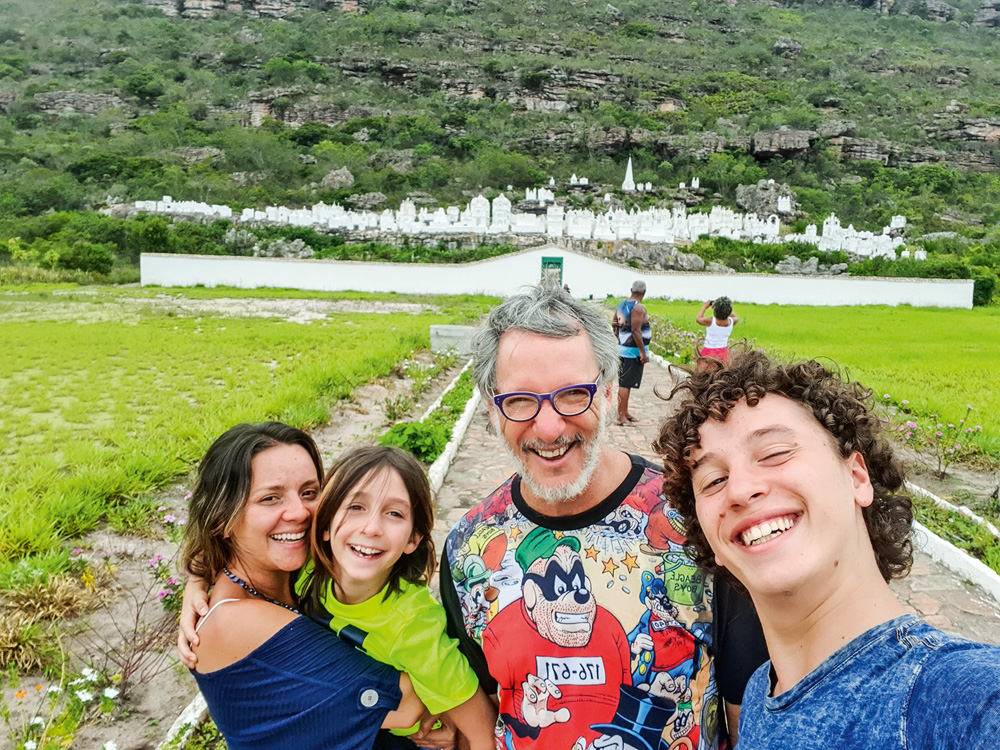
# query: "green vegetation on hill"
x,y
448,98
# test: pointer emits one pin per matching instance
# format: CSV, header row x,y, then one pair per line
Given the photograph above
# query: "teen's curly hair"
x,y
841,407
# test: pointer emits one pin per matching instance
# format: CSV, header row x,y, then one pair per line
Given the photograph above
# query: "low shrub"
x,y
86,256
425,440
984,283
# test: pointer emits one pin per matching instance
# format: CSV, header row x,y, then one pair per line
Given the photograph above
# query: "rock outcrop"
x,y
368,201
781,142
337,179
193,154
762,198
653,257
786,47
248,8
973,129
77,103
988,14
864,149
284,249
935,10
811,267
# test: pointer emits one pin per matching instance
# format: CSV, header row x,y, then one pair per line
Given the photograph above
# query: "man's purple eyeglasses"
x,y
570,401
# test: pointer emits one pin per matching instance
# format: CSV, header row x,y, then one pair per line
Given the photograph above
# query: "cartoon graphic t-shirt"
x,y
596,630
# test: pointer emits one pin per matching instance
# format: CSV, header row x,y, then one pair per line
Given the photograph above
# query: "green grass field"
x,y
939,360
105,399
118,400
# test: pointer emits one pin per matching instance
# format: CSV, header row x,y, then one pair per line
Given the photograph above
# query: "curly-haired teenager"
x,y
788,484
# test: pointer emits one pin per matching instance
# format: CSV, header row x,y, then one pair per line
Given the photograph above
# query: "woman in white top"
x,y
720,327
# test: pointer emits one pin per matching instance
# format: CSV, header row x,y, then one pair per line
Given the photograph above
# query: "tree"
x,y
145,85
150,234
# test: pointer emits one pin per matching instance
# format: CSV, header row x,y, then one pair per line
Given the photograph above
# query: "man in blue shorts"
x,y
786,481
632,328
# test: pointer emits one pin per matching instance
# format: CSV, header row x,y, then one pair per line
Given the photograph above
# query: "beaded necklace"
x,y
250,589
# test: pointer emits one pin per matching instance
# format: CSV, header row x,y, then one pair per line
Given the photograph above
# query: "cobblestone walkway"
x,y
932,591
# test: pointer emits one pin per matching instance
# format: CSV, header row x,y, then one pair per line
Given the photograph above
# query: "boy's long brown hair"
x,y
364,465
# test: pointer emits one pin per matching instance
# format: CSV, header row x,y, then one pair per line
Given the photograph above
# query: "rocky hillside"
x,y
870,109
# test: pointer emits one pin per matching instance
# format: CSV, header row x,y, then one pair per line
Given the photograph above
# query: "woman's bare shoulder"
x,y
235,628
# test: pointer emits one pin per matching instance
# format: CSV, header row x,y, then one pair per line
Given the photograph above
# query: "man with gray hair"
x,y
568,587
632,328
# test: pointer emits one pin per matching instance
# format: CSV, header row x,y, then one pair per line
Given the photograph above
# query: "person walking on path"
x,y
720,327
569,588
634,332
787,482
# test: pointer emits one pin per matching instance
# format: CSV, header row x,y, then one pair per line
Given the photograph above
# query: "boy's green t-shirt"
x,y
408,631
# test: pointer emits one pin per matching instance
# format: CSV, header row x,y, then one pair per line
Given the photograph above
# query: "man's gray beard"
x,y
562,493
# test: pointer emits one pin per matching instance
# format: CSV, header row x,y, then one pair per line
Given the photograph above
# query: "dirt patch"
x,y
97,307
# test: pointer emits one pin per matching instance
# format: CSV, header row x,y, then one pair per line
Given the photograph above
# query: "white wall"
x,y
586,275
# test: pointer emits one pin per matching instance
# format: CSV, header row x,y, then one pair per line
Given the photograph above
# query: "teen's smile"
x,y
756,532
370,531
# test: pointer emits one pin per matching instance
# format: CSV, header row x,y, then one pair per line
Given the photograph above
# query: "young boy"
x,y
788,484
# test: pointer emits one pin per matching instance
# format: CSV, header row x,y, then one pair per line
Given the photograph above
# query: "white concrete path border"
x,y
439,469
185,724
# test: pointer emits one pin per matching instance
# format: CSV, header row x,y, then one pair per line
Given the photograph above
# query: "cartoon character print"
x,y
561,658
487,547
624,523
635,725
665,654
664,530
561,653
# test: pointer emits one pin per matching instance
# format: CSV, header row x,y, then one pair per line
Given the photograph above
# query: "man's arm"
x,y
732,723
638,316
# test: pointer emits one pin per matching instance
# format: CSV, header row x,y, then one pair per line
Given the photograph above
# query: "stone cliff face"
x,y
988,14
958,140
249,8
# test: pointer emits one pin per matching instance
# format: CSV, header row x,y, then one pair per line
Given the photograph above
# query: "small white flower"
x,y
37,721
111,692
90,674
84,696
77,682
109,745
29,745
53,689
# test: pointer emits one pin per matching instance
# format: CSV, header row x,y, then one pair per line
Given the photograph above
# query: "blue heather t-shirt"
x,y
900,685
303,688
